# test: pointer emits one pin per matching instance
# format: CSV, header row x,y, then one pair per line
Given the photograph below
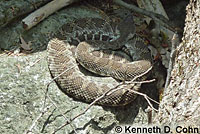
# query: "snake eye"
x,y
128,19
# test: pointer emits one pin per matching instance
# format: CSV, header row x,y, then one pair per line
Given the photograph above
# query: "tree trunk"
x,y
181,101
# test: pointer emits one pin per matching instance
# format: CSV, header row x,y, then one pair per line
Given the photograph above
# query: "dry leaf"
x,y
24,45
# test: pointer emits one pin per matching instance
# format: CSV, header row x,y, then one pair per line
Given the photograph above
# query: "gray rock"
x,y
23,81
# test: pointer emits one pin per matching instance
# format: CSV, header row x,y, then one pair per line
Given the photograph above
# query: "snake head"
x,y
127,28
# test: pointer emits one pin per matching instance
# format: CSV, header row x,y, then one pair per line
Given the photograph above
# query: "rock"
x,y
23,81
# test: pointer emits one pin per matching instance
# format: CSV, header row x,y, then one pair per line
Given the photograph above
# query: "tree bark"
x,y
181,101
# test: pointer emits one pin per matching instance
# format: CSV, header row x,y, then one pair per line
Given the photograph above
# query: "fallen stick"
x,y
156,17
43,12
13,10
153,6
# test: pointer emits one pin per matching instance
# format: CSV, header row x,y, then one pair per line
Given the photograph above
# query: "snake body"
x,y
62,60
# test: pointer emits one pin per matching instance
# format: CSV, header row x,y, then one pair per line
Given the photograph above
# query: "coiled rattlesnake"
x,y
61,58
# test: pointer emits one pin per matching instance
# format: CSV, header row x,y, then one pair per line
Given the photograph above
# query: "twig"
x,y
156,17
145,81
36,120
138,76
147,98
102,96
36,61
91,104
154,6
131,83
175,42
107,93
60,75
43,12
46,95
150,14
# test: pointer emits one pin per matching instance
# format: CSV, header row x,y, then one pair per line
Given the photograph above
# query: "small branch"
x,y
46,95
131,83
60,75
110,91
101,97
136,77
36,120
36,61
91,104
43,12
148,98
156,17
154,6
141,11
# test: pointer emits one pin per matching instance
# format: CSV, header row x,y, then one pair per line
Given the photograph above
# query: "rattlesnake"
x,y
61,59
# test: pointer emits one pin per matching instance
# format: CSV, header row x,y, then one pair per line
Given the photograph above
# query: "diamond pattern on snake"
x,y
94,44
